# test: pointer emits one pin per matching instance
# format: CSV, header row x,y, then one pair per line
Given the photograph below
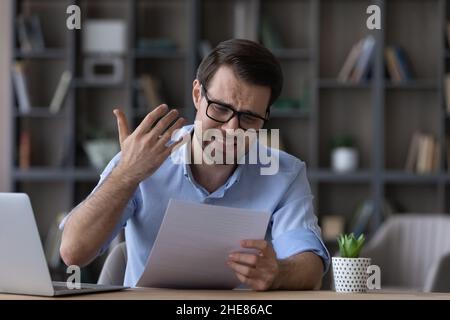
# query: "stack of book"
x,y
150,93
424,154
21,87
398,65
22,93
245,19
31,38
359,61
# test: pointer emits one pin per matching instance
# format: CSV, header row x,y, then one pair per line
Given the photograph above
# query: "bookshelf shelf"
x,y
422,84
39,112
46,54
82,84
325,175
410,177
335,84
86,175
57,174
42,174
159,54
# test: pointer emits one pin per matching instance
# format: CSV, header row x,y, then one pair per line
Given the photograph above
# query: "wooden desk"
x,y
170,294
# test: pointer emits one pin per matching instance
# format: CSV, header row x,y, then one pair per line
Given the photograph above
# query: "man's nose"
x,y
232,124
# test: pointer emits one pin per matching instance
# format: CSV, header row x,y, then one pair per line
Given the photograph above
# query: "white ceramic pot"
x,y
344,159
350,274
101,151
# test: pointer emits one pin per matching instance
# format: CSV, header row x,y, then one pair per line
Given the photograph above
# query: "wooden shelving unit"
x,y
317,36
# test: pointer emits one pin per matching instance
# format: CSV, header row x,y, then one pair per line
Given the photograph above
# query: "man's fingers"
x,y
169,132
146,124
249,259
244,270
262,245
122,125
165,122
255,284
173,147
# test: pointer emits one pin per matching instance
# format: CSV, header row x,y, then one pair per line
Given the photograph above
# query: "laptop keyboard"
x,y
58,287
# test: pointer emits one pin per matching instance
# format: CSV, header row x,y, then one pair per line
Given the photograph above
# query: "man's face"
x,y
225,87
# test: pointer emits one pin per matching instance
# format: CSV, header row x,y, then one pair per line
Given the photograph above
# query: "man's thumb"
x,y
122,125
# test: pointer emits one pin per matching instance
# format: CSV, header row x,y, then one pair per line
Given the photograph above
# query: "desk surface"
x,y
171,294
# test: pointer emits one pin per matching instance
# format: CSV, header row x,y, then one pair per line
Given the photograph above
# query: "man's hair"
x,y
250,61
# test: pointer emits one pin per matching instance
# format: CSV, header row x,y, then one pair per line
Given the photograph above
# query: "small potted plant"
x,y
344,156
349,270
100,147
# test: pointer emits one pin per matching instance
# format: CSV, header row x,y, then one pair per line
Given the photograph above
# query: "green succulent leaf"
x,y
349,246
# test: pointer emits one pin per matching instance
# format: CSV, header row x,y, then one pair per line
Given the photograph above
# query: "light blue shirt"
x,y
286,195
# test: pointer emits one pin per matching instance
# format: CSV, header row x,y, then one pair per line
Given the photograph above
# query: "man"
x,y
235,86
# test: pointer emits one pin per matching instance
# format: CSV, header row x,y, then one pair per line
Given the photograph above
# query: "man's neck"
x,y
212,177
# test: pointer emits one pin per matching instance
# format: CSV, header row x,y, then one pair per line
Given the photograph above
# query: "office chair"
x,y
413,252
113,271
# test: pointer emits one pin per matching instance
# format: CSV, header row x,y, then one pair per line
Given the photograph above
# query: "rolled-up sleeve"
x,y
128,211
294,224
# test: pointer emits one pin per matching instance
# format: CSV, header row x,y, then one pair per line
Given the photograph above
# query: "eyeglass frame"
x,y
235,112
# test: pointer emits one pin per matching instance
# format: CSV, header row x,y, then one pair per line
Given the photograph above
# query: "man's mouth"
x,y
228,142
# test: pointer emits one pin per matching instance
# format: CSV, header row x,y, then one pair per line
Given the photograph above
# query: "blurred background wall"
x,y
5,52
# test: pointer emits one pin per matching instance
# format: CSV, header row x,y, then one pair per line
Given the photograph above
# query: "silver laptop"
x,y
23,268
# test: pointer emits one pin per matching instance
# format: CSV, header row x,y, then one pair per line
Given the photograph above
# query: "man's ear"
x,y
196,93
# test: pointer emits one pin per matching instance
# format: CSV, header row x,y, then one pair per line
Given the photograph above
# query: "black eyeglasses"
x,y
221,112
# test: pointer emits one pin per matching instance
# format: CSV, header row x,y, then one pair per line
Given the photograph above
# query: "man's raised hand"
x,y
144,150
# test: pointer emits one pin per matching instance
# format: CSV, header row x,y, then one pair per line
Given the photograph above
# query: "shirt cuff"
x,y
301,240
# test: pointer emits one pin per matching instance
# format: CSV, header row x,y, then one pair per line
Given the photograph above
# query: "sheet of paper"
x,y
193,243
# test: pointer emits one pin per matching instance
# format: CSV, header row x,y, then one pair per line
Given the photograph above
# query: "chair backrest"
x,y
113,271
407,247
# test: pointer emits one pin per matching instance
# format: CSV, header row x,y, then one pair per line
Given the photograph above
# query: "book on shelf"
x,y
448,34
21,87
447,92
269,36
424,154
350,62
413,151
65,151
398,64
358,63
30,35
365,59
245,19
447,147
24,150
61,92
151,88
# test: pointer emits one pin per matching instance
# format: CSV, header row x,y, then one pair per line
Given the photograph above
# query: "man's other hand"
x,y
257,270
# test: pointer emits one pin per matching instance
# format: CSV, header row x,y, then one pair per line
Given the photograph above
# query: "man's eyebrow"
x,y
251,112
233,107
222,102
